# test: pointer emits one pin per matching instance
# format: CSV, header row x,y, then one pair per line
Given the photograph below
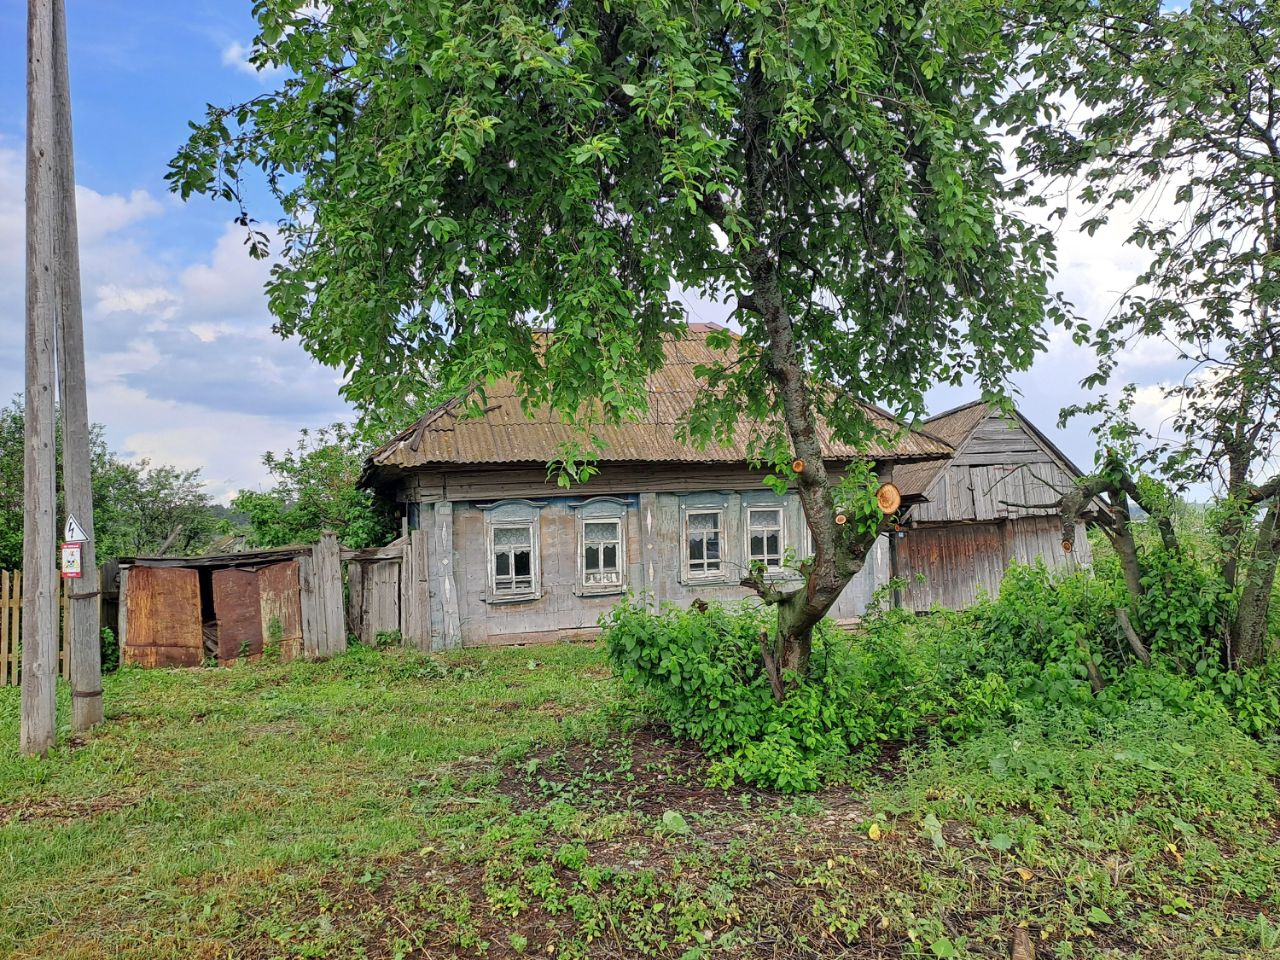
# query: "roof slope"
x,y
504,434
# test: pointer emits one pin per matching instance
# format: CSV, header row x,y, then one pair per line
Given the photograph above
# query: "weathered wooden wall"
x,y
1002,466
163,611
281,608
961,562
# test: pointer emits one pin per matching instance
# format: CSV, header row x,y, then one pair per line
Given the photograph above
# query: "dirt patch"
x,y
62,810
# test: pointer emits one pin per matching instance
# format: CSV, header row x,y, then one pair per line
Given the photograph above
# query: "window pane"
x,y
757,545
596,531
713,547
591,560
765,518
611,556
772,545
524,565
512,537
703,521
695,548
502,564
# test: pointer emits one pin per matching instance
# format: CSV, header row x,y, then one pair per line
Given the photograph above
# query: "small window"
x,y
703,530
601,553
511,551
764,537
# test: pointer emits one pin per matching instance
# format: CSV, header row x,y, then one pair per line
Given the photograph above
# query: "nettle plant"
x,y
457,176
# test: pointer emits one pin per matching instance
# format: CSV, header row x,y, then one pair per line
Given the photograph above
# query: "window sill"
x,y
500,598
718,580
614,590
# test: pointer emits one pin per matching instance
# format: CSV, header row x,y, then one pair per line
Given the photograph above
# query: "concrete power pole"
x,y
86,649
39,595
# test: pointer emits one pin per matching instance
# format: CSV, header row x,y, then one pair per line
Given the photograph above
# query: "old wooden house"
x,y
497,553
975,514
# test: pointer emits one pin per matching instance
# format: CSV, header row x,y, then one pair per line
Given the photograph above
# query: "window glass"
x,y
601,553
764,537
512,559
702,534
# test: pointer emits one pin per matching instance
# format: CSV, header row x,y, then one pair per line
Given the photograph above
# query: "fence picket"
x,y
11,629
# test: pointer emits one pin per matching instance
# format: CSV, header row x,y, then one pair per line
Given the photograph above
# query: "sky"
x,y
183,367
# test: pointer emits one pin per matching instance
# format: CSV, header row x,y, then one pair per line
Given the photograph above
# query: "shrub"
x,y
702,670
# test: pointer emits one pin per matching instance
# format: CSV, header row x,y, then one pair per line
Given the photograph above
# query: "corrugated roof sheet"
x,y
503,433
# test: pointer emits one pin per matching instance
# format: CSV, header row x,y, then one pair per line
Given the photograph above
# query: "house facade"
x,y
500,554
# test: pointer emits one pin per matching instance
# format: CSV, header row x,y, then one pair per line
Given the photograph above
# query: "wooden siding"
x,y
654,545
961,562
994,476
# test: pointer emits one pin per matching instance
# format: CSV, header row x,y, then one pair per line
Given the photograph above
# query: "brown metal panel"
x,y
163,605
281,601
238,606
505,433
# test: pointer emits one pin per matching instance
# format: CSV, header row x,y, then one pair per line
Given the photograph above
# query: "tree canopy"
x,y
1176,113
457,175
317,490
139,507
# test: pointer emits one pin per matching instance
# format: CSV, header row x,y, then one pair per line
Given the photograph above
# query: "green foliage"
x,y
453,174
138,506
317,490
703,672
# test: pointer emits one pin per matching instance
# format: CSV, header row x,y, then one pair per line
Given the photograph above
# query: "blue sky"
x,y
183,367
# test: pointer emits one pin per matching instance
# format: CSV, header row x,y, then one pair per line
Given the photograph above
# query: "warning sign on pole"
x,y
71,566
74,533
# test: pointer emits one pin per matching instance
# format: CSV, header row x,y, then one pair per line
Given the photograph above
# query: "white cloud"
x,y
156,301
236,55
99,215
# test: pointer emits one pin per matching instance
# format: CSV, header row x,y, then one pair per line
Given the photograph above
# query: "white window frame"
x,y
780,510
513,514
704,575
601,510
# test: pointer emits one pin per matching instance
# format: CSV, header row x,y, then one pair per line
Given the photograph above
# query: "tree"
x,y
455,174
317,489
1181,110
139,508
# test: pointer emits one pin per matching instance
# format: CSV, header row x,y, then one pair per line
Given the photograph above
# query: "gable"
x,y
1004,469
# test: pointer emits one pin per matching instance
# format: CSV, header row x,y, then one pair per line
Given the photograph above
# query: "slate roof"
x,y
504,434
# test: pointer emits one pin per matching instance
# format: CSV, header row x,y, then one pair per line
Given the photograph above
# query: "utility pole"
x,y
39,596
83,610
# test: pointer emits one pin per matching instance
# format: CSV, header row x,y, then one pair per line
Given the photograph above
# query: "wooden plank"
x,y
326,576
163,605
381,599
237,604
312,626
4,629
415,590
281,608
442,550
356,600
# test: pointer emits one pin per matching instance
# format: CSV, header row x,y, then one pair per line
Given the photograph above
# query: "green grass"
x,y
507,803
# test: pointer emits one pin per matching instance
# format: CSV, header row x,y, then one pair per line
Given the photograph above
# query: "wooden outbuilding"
x,y
983,509
187,611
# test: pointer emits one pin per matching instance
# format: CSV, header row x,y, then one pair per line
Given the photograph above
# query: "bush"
x,y
703,671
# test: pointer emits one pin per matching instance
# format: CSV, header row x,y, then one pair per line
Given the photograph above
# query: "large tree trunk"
x,y
1249,632
839,550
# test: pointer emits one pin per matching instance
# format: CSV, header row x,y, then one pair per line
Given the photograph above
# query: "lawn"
x,y
517,802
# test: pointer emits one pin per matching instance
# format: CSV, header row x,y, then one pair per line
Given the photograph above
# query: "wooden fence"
x,y
11,629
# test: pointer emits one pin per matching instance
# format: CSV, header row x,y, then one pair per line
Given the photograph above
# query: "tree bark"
x,y
39,575
83,611
1249,631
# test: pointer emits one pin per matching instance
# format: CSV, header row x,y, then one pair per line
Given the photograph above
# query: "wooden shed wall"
x,y
961,562
1003,464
